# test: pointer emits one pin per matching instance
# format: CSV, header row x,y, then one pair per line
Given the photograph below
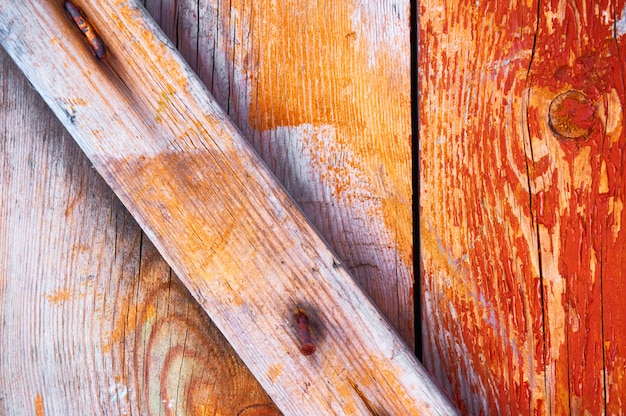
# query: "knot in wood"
x,y
572,115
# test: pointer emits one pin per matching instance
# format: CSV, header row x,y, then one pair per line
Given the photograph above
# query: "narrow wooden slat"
x,y
522,159
213,210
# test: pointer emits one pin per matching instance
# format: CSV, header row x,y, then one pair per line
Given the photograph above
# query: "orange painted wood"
x,y
522,187
133,103
93,319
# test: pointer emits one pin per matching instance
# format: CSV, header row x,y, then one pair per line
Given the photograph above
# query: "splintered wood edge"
x,y
215,212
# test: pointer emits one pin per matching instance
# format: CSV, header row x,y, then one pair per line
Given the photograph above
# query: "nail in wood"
x,y
307,347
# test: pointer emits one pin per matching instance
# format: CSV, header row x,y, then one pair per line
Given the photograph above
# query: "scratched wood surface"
x,y
286,151
522,186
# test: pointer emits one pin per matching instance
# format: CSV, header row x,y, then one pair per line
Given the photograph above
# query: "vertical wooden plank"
x,y
322,91
93,320
57,240
575,119
483,327
522,181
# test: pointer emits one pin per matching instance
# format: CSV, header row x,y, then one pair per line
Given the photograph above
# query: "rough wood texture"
x,y
522,186
93,320
245,306
217,57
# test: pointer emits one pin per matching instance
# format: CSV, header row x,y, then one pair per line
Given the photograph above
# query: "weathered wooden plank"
x,y
219,258
522,184
482,314
576,119
94,321
322,91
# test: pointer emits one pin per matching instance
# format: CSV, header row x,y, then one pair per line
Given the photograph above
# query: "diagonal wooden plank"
x,y
216,214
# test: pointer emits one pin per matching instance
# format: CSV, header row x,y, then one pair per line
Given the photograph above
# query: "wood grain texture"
x,y
135,395
157,146
522,184
322,91
94,321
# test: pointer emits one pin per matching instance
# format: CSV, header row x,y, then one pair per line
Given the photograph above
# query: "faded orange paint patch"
x,y
274,371
335,67
285,89
352,79
39,405
60,295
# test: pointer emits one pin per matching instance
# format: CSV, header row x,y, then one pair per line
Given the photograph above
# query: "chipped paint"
x,y
59,296
620,24
522,204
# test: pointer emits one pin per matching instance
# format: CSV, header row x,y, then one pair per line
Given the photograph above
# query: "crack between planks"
x,y
176,25
179,402
138,276
231,72
198,21
415,123
216,39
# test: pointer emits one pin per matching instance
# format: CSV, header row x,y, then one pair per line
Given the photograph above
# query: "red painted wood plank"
x,y
482,312
522,186
575,118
